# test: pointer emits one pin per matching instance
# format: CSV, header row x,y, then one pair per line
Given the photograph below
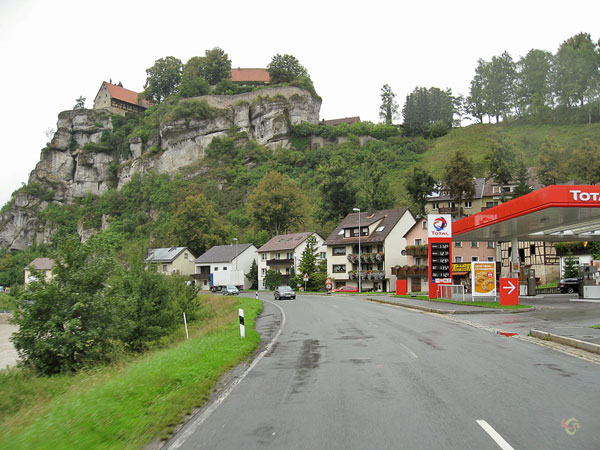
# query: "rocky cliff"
x,y
68,170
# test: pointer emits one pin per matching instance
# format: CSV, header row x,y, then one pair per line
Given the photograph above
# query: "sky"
x,y
55,52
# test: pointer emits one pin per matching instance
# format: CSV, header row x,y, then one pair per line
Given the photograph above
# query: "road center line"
x,y
494,435
191,429
409,351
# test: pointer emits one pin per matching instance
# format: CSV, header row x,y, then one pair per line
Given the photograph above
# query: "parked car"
x,y
346,289
568,286
230,290
284,292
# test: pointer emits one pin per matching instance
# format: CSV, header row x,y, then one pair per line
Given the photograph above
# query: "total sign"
x,y
439,226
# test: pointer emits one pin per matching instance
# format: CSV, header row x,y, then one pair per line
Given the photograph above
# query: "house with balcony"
x,y
382,244
171,260
284,252
225,265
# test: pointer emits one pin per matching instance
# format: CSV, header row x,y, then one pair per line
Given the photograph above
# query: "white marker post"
x,y
187,336
242,326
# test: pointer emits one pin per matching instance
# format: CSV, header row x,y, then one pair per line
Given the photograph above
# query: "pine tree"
x,y
571,270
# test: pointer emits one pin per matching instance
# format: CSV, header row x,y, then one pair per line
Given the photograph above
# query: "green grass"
x,y
128,405
468,303
596,326
552,284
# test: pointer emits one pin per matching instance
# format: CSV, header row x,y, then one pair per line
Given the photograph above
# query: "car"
x,y
284,292
568,286
230,290
346,289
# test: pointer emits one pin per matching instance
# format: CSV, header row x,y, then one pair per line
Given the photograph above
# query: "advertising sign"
x,y
461,267
439,226
483,279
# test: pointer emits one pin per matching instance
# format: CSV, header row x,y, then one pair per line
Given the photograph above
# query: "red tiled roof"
x,y
250,75
41,264
125,95
285,242
334,122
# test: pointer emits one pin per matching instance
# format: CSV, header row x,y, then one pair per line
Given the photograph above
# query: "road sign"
x,y
509,291
305,277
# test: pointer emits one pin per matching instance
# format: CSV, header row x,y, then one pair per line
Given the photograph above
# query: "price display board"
x,y
440,260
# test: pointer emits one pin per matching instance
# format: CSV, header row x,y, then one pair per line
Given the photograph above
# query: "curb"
x,y
571,342
450,311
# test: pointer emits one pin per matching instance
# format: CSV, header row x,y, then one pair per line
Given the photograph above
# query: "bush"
x,y
273,279
191,109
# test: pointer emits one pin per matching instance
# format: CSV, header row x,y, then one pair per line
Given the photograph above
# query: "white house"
x,y
172,260
283,252
225,265
382,244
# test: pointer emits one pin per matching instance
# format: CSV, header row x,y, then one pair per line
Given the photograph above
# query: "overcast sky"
x,y
54,52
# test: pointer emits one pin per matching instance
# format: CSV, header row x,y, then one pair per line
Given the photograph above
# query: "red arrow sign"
x,y
509,292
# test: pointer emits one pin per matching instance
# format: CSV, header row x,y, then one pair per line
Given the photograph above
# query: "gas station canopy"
x,y
554,213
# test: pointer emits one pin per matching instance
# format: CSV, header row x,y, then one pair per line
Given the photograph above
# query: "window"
x,y
491,204
364,231
418,261
277,255
263,271
435,205
458,259
474,258
491,244
452,205
347,232
224,268
289,255
338,251
264,256
216,269
490,258
341,232
495,189
457,243
532,249
474,244
185,256
164,268
380,248
287,270
418,241
323,255
468,204
205,282
424,225
339,268
380,228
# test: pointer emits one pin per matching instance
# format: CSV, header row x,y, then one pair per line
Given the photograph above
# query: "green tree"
x,y
426,107
587,163
571,270
309,264
552,163
216,66
500,162
162,79
79,103
285,69
277,204
500,86
338,190
252,275
522,177
69,323
273,279
193,81
533,82
476,104
419,184
458,177
375,191
388,111
195,224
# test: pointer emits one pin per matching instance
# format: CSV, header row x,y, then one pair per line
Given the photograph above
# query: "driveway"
x,y
8,354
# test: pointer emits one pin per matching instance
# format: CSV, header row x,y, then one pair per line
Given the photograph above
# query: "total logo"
x,y
580,196
440,224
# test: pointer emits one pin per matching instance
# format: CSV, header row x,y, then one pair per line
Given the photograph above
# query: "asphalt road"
x,y
349,374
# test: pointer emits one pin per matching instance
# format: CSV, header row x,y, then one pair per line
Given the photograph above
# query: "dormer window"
x,y
380,228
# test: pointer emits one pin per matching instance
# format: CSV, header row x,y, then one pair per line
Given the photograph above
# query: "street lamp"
x,y
359,270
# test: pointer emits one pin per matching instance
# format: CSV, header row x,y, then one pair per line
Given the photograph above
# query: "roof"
x,y
250,75
165,254
285,241
438,196
554,213
125,95
42,264
387,218
334,122
223,253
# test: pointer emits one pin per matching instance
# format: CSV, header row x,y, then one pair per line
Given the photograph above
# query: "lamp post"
x,y
359,267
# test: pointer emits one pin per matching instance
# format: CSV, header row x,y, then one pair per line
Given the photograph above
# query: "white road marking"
x,y
409,351
494,435
192,426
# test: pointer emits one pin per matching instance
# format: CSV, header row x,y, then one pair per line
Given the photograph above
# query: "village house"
x,y
172,260
119,100
225,265
43,266
382,244
284,252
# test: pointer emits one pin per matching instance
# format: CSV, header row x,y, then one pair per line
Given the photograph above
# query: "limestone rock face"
x,y
66,171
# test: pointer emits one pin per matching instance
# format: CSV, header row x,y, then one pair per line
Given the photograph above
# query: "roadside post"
x,y
187,336
509,291
305,280
242,326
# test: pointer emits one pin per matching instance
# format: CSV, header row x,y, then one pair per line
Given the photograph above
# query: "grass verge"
x,y
131,404
6,302
596,326
457,302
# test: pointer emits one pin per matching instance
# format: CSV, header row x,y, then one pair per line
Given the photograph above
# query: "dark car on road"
x,y
568,286
284,292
